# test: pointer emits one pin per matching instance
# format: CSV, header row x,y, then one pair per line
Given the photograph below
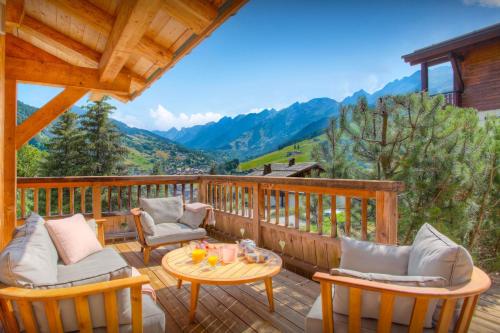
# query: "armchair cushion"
x,y
101,266
174,233
163,210
370,301
369,257
147,223
432,253
30,258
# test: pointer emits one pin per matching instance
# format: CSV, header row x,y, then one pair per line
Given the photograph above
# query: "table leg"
x,y
269,291
195,290
179,283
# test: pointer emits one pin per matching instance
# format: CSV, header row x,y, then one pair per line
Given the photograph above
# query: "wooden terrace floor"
x,y
245,309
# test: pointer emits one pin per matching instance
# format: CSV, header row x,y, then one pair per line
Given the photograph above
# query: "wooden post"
x,y
258,211
2,118
424,76
202,191
387,217
96,201
8,197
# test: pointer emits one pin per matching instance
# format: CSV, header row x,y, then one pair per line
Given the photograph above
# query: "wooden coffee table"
x,y
179,264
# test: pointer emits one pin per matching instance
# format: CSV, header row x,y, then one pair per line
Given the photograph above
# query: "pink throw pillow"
x,y
73,238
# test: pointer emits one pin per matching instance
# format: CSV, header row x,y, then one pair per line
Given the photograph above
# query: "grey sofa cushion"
x,y
369,257
432,253
193,219
153,318
174,233
370,301
147,223
101,266
314,322
30,258
163,210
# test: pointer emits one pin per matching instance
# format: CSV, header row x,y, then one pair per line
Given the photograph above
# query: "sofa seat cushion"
x,y
368,257
370,301
174,233
153,318
163,210
432,253
30,258
101,266
314,322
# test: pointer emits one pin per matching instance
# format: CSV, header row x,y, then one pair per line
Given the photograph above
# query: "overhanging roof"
x,y
118,47
440,52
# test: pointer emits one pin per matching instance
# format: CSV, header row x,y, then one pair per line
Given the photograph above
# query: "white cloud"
x,y
482,3
163,119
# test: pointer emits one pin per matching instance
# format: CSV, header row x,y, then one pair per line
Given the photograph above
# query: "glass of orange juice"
x,y
198,255
213,260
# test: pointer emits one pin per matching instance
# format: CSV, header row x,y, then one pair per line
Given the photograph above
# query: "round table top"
x,y
179,264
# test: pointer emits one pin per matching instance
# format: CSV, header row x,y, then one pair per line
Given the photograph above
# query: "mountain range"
x,y
254,134
145,148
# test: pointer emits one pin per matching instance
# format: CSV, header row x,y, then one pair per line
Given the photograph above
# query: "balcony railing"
x,y
305,215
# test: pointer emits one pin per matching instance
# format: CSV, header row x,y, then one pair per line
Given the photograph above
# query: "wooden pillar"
x,y
2,113
96,202
258,211
386,217
424,76
8,197
458,84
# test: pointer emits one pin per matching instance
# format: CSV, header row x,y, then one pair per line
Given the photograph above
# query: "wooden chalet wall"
x,y
481,76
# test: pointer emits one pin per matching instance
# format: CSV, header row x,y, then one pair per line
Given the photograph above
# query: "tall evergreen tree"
x,y
64,149
104,152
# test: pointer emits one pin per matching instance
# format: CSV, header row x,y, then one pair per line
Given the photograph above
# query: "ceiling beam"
x,y
64,75
197,15
67,48
47,114
132,20
14,12
102,22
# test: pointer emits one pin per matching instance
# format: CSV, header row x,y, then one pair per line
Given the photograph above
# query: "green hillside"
x,y
302,148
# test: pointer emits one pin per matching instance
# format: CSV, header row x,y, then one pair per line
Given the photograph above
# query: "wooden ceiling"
x,y
112,47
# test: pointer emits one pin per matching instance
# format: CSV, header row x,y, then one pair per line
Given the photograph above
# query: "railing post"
x,y
202,191
387,217
258,210
96,201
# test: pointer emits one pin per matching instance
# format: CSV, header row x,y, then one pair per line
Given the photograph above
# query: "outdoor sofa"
x,y
99,292
430,286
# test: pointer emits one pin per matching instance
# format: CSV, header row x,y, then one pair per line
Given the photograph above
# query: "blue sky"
x,y
276,52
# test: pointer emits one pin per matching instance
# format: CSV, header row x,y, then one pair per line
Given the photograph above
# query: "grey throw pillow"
x,y
147,223
163,210
369,257
403,306
193,219
432,253
30,258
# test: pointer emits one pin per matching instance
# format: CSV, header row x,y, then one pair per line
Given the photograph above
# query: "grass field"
x,y
305,148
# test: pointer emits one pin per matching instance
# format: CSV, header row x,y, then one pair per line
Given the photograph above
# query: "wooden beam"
x,y
57,74
197,15
46,114
2,121
69,50
132,21
102,22
8,142
14,12
424,76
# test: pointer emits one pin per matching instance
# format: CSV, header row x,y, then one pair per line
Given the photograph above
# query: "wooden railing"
x,y
305,215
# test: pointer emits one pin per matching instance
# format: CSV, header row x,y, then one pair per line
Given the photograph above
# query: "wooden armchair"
x,y
25,297
469,292
147,248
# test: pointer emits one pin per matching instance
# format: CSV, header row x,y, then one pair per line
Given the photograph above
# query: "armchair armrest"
x,y
470,291
100,230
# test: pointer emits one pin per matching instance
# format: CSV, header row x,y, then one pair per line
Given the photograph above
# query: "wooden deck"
x,y
244,308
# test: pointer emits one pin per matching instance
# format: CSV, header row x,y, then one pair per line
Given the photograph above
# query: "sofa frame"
x,y
24,298
145,248
469,292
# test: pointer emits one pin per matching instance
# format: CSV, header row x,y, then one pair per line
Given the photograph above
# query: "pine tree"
x,y
64,148
104,152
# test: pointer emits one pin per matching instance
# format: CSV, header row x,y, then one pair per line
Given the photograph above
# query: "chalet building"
x,y
290,169
475,60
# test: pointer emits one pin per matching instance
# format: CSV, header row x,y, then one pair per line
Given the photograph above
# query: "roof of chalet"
x,y
440,52
284,170
119,47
